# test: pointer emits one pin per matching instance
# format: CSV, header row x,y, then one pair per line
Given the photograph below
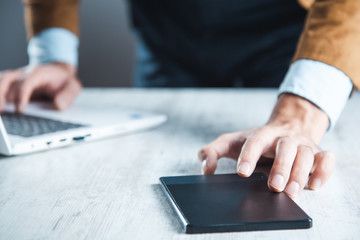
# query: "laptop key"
x,y
28,126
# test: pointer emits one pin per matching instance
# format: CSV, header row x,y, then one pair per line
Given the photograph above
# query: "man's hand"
x,y
290,137
56,81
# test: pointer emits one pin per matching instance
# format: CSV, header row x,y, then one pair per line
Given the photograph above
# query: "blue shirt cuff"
x,y
53,45
325,86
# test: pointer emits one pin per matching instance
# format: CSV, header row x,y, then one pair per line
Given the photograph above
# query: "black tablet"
x,y
228,203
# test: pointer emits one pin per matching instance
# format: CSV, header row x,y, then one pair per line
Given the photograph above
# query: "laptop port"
x,y
80,138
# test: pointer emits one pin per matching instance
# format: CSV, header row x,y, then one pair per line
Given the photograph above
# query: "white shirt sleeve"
x,y
53,45
324,85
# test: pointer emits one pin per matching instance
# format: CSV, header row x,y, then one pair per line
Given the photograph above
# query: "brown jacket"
x,y
331,33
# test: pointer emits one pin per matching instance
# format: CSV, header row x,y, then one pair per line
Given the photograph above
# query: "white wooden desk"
x,y
109,189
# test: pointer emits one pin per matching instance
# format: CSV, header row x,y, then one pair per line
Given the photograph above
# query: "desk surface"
x,y
109,189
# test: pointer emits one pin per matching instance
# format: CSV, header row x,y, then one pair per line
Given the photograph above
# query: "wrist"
x,y
299,116
72,69
306,78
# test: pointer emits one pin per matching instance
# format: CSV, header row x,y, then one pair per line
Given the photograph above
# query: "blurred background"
x,y
106,48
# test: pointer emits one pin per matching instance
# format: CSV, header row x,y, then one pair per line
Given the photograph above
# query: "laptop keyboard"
x,y
28,126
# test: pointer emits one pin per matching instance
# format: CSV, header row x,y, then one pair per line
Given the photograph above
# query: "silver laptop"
x,y
40,128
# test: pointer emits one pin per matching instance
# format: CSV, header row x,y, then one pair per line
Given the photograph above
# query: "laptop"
x,y
41,128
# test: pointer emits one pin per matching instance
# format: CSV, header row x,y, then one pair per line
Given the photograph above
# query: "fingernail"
x,y
203,166
293,189
277,182
315,184
244,168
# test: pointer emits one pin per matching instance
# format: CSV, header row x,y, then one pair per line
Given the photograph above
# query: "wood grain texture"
x,y
109,189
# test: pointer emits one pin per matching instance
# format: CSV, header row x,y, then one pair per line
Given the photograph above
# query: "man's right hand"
x,y
56,81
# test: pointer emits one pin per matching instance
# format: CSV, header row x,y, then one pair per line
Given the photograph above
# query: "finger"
x,y
25,90
286,151
6,80
300,171
251,151
12,88
221,147
325,162
209,157
66,95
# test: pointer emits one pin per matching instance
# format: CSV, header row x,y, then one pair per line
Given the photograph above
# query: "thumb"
x,y
66,95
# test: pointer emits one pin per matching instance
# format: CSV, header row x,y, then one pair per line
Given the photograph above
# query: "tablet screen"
x,y
228,202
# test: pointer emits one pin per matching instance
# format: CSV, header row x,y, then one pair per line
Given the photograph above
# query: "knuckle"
x,y
255,139
264,130
287,140
305,149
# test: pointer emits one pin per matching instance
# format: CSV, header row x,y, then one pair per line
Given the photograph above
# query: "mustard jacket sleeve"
x,y
42,14
332,35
